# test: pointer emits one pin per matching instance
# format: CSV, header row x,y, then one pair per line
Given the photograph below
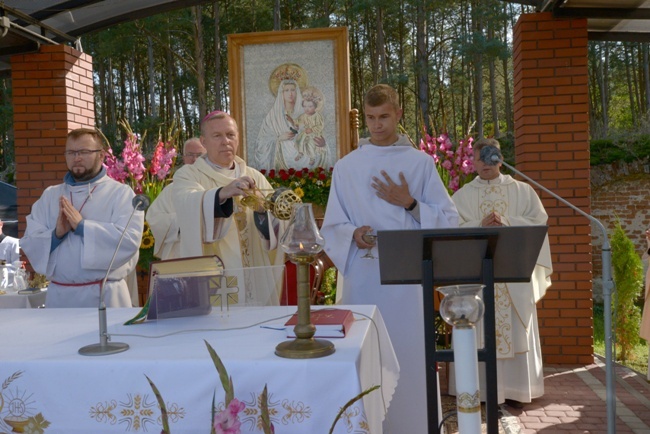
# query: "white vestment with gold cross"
x,y
520,372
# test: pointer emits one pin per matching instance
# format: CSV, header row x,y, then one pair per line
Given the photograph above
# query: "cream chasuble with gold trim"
x,y
235,239
519,205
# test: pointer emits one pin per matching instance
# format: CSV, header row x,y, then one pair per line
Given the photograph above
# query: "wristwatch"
x,y
412,206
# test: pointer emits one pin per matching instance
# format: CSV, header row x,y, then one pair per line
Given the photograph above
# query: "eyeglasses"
x,y
82,152
193,154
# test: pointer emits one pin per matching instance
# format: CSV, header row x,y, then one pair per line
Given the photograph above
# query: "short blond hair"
x,y
381,94
483,142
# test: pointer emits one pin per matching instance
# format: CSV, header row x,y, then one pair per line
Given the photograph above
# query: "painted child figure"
x,y
309,127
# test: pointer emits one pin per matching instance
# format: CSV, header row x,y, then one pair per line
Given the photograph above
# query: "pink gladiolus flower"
x,y
455,163
132,167
227,421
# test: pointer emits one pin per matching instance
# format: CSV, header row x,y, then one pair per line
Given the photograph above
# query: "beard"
x,y
82,174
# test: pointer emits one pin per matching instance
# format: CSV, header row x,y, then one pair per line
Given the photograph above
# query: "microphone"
x,y
491,155
140,202
608,284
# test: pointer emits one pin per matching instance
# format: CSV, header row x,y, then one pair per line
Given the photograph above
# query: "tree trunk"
x,y
630,88
199,56
493,87
277,24
380,47
152,82
478,92
217,57
169,94
646,77
103,95
602,62
510,122
131,101
422,68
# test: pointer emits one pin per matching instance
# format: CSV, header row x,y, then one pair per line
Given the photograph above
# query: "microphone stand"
x,y
104,347
608,285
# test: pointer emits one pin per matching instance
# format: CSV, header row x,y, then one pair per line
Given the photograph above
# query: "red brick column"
x,y
552,147
52,94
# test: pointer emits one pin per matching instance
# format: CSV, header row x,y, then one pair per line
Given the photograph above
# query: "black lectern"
x,y
437,257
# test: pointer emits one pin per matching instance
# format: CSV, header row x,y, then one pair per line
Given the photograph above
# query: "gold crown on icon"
x,y
287,73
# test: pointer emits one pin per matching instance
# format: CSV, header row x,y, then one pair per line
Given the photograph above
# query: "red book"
x,y
330,323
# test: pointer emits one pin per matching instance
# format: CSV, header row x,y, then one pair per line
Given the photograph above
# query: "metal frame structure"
x,y
614,20
25,26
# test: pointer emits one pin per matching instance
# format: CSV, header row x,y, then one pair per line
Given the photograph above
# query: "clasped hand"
x,y
68,219
492,219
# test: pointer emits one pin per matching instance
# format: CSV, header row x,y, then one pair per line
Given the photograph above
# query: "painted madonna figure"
x,y
281,138
276,140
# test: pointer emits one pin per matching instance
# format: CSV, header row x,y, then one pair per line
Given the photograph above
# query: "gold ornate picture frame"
x,y
290,95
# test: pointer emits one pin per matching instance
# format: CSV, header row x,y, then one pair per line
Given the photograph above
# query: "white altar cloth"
x,y
45,381
13,300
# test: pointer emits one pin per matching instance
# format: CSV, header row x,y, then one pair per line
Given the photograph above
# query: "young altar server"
x,y
387,184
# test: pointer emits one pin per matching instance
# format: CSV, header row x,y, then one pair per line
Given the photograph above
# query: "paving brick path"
x,y
575,403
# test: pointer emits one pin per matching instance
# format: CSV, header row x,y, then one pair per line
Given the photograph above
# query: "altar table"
x,y
13,300
46,383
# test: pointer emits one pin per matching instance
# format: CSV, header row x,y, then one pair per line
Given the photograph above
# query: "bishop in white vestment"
x,y
212,221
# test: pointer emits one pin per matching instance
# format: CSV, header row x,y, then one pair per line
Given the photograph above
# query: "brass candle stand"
x,y
302,242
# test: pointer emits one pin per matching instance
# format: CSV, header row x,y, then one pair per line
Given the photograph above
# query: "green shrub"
x,y
628,278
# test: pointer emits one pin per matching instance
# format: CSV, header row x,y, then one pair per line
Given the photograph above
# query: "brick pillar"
x,y
52,94
552,147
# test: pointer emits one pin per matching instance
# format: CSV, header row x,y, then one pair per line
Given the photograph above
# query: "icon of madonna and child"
x,y
292,133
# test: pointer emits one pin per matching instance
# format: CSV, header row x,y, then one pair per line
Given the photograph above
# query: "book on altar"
x,y
330,323
180,288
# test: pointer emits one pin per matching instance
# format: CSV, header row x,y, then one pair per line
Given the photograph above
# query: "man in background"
x,y
74,229
387,184
495,199
161,215
9,247
9,253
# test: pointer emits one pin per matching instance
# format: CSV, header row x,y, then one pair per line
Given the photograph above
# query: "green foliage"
x,y
629,147
349,404
637,359
628,277
311,186
327,293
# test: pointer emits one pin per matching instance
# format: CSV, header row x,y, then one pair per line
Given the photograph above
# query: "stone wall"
x,y
620,190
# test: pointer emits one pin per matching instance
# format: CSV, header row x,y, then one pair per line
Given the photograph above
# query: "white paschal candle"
x,y
468,400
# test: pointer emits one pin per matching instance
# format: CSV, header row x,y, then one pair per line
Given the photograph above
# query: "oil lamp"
x,y
302,243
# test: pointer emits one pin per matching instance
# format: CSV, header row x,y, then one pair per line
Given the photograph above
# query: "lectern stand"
x,y
458,256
